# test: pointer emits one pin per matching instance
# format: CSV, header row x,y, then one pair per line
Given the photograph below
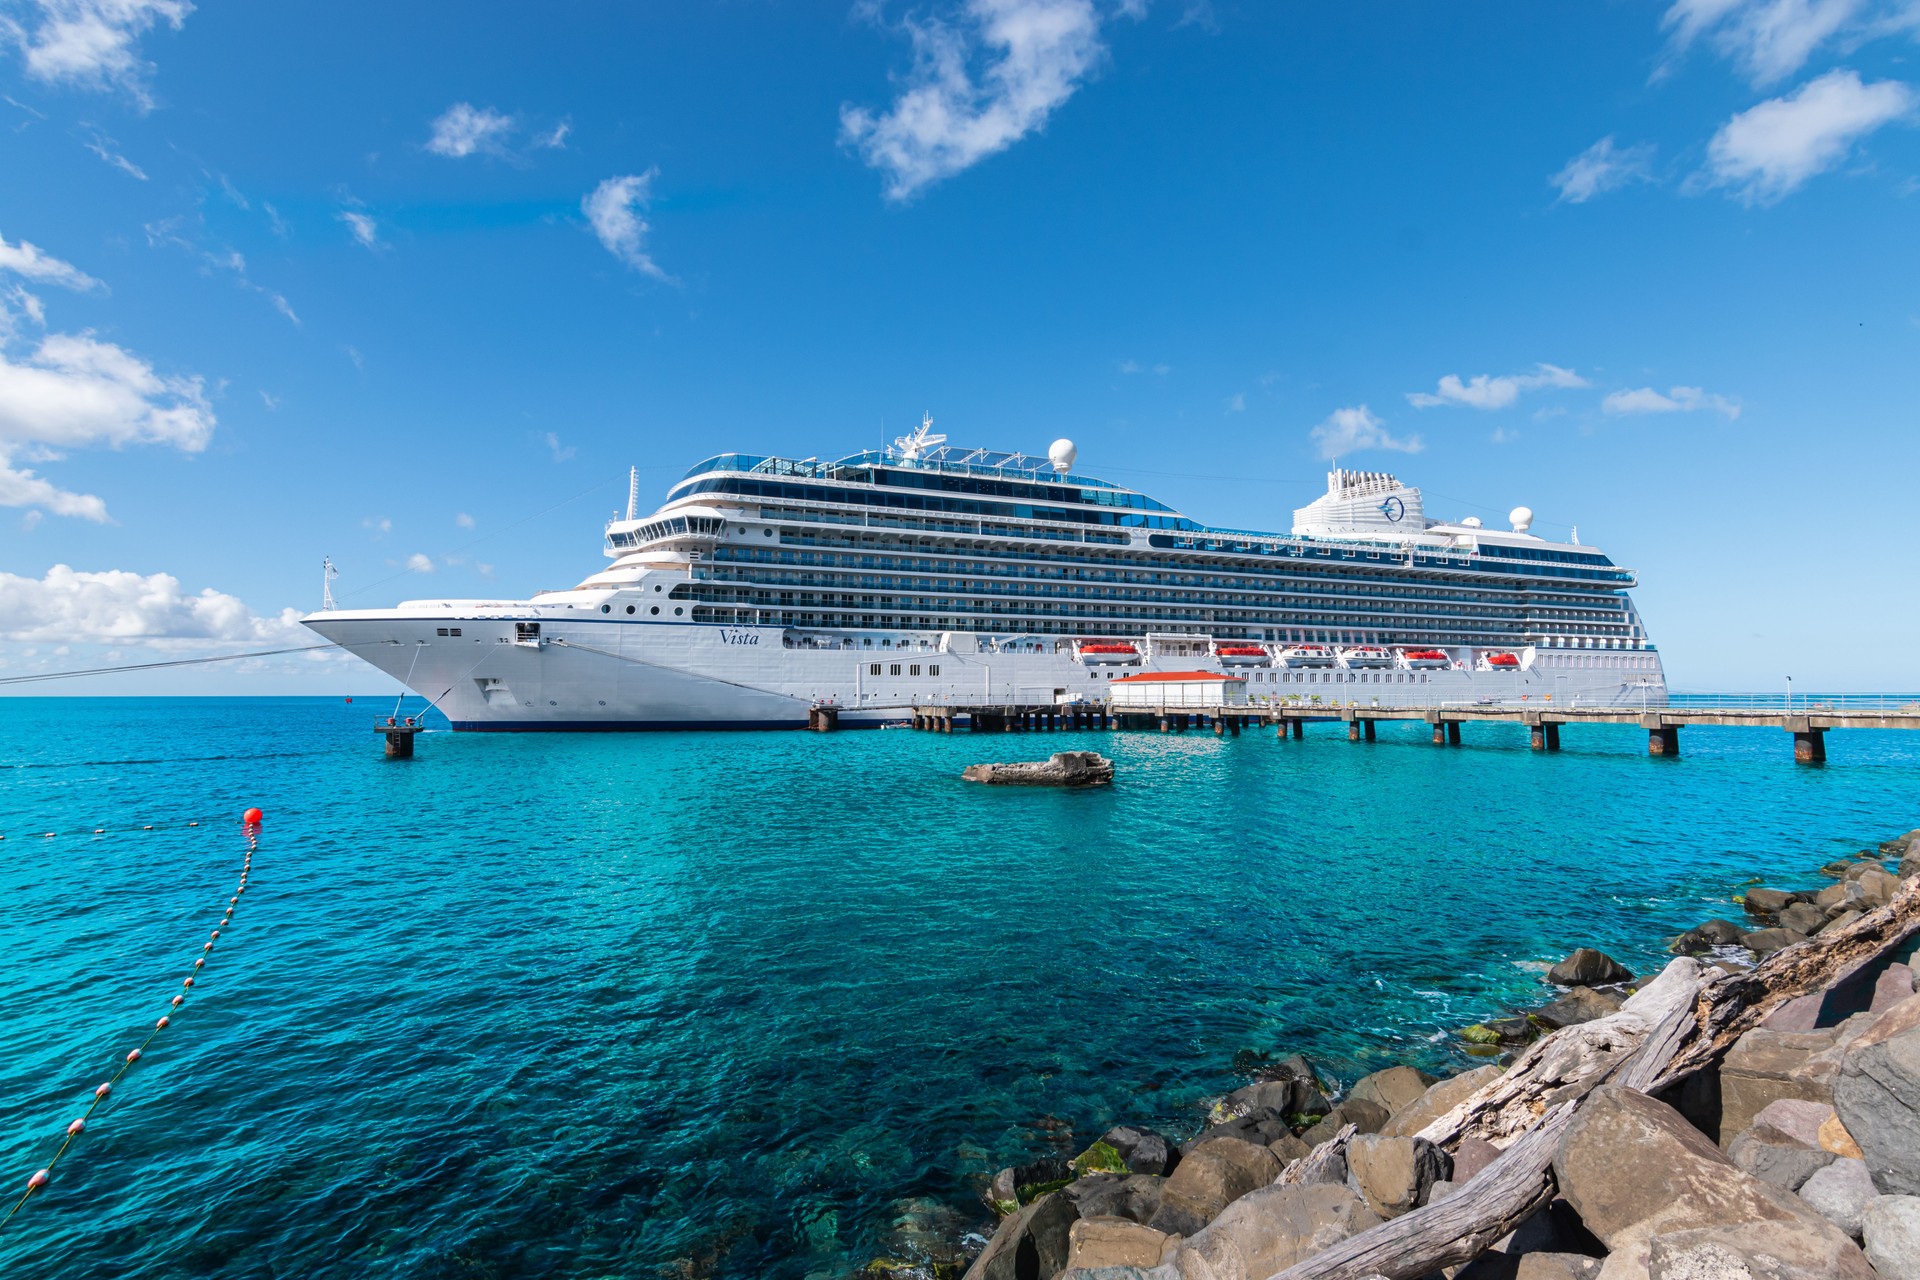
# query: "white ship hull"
x,y
611,674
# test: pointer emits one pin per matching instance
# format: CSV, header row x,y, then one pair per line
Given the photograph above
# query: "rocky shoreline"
x,y
1752,1112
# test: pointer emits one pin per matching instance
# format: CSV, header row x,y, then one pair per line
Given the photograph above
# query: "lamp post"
x,y
1789,695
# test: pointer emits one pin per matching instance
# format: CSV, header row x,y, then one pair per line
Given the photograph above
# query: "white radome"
x,y
1521,517
1062,453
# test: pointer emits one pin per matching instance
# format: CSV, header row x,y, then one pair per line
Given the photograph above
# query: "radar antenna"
x,y
633,491
921,440
327,574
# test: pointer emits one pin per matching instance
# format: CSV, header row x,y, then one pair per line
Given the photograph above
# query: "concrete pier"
x,y
1543,723
399,737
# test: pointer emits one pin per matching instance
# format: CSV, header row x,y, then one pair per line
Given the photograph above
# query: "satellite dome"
x,y
1471,522
1521,517
1062,453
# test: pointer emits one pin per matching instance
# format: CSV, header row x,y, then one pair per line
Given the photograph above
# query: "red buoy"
x,y
134,1056
178,1001
160,1025
187,983
76,1127
252,817
37,1181
103,1090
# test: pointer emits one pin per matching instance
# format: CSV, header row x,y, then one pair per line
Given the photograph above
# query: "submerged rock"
x,y
1061,769
1582,1004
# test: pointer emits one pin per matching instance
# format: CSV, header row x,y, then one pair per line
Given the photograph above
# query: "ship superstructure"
x,y
765,586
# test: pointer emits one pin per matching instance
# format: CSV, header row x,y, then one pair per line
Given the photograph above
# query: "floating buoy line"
x,y
250,821
85,830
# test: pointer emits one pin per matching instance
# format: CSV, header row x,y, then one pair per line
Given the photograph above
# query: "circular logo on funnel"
x,y
1393,508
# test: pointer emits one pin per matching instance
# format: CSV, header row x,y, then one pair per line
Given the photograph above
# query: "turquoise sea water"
x,y
767,1004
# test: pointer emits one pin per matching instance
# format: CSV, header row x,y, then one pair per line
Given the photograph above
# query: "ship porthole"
x,y
677,611
629,608
606,608
654,609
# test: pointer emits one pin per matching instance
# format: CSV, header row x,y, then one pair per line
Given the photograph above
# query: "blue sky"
x,y
285,281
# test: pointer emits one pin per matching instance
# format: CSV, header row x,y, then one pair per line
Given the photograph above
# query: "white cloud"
x,y
1676,400
380,525
365,230
1237,402
30,262
555,139
1770,150
464,520
613,208
418,563
945,118
70,391
561,452
1768,39
1483,391
92,43
172,233
103,146
463,130
271,401
118,607
1346,430
1603,167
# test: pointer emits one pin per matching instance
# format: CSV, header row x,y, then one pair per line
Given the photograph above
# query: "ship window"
x,y
653,608
439,631
914,670
677,611
605,608
893,669
629,608
934,670
454,631
873,668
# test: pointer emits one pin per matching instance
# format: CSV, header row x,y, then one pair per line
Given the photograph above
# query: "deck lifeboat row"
x,y
1247,653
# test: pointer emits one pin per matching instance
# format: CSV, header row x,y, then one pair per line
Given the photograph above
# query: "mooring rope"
x,y
251,821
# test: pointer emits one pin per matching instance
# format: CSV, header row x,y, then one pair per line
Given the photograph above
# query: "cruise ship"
x,y
765,587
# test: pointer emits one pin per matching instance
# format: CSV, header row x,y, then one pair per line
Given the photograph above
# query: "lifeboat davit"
x,y
1241,655
1109,652
1502,660
1424,659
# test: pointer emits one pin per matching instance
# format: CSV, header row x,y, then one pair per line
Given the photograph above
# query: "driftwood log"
x,y
1674,1027
1735,1004
1456,1229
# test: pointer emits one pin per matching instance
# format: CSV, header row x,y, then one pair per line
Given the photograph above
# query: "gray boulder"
x,y
1891,1225
1116,1242
1363,1114
1879,888
1763,1251
1285,1096
1634,1171
1877,1093
1394,1175
1841,1192
1142,1150
1271,1229
1392,1089
1765,1065
1764,902
1290,1148
1581,1004
1703,937
1801,918
1798,1119
1030,1245
1209,1178
1848,895
1531,1266
1764,942
1135,1197
1439,1099
1588,968
1264,1126
1776,1157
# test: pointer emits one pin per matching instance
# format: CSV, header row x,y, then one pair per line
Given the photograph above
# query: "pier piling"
x,y
1663,739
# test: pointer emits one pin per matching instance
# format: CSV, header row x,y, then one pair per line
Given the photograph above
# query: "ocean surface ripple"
x,y
768,1004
